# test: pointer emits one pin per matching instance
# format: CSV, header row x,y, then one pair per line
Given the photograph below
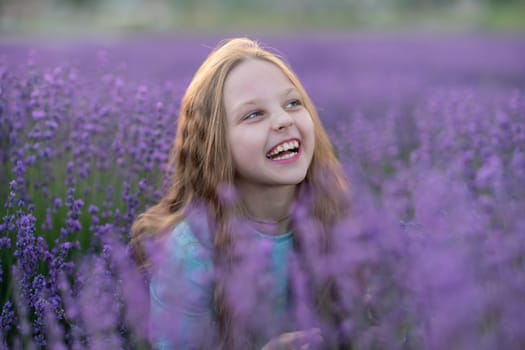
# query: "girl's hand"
x,y
301,340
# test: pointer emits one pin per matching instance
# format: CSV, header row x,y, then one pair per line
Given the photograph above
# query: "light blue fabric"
x,y
181,289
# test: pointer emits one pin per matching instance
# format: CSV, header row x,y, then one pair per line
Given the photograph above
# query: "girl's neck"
x,y
268,209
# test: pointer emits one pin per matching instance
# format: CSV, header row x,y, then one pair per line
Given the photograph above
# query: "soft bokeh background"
x,y
69,18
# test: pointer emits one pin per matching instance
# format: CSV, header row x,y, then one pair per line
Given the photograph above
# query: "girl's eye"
x,y
293,103
252,115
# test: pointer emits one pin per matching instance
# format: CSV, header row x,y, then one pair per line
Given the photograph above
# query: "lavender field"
x,y
431,133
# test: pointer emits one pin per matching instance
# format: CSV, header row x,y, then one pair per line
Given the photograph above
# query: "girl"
x,y
255,192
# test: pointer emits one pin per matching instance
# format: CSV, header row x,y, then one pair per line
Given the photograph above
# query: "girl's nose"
x,y
282,121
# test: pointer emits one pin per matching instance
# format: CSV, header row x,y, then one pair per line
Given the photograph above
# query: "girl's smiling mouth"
x,y
285,152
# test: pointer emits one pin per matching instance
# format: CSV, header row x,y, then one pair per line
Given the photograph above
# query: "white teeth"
x,y
286,156
284,147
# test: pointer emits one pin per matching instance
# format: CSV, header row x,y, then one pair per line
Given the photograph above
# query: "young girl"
x,y
255,192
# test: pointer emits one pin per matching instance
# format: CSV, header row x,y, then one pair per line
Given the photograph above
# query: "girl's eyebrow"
x,y
289,91
254,101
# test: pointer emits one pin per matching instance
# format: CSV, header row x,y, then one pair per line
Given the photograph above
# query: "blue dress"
x,y
182,287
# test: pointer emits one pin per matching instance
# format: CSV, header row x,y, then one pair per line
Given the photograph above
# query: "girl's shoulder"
x,y
182,233
183,269
188,242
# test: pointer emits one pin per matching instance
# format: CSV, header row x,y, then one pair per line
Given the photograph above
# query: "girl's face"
x,y
270,132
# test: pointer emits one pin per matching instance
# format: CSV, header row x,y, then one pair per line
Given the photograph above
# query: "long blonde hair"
x,y
201,159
